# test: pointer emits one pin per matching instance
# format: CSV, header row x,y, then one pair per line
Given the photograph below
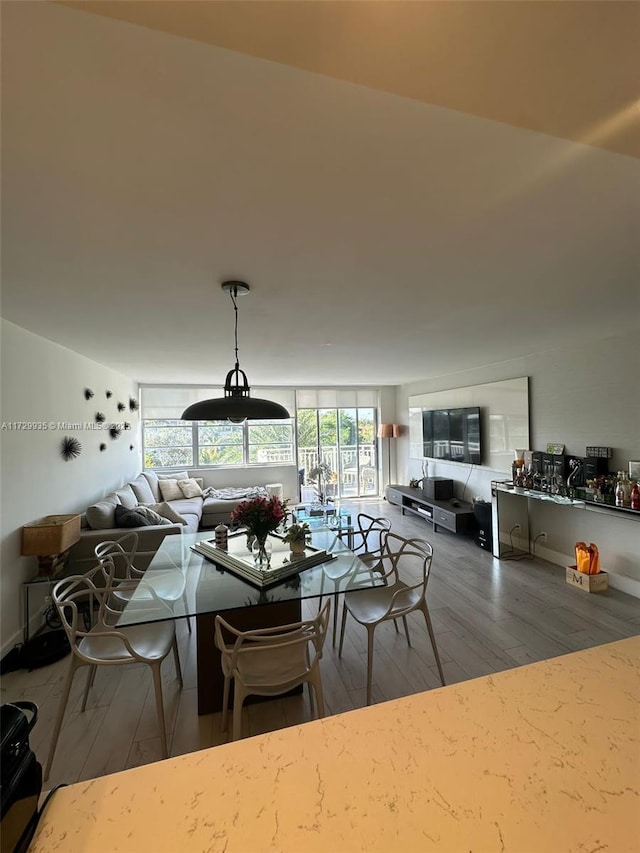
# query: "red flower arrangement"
x,y
260,516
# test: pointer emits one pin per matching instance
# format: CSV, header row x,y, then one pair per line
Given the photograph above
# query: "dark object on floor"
x,y
41,650
484,534
21,776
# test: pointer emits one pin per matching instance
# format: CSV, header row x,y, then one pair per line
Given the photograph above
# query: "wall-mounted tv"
x,y
452,434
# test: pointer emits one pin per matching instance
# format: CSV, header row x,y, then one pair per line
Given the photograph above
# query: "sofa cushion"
x,y
167,511
170,490
130,518
101,515
152,478
174,475
152,515
192,523
127,497
190,488
142,490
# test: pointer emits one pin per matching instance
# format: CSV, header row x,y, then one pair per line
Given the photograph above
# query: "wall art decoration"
x,y
126,425
115,431
70,448
100,417
88,393
134,405
131,447
121,407
108,394
103,447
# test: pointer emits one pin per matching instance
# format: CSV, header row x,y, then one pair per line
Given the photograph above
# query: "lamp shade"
x,y
385,431
52,534
234,409
397,430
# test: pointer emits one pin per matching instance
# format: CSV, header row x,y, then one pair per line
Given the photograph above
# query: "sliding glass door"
x,y
343,438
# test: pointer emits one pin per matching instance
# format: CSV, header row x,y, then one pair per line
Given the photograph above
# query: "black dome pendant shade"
x,y
237,404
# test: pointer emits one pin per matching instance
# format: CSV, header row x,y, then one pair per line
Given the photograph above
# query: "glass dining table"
x,y
207,589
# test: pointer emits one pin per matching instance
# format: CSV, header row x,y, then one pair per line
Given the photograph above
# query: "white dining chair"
x,y
271,661
405,565
117,558
90,624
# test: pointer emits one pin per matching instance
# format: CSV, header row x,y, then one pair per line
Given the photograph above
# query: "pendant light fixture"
x,y
237,404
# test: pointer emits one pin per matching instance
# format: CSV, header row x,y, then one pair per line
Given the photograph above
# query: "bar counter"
x,y
544,757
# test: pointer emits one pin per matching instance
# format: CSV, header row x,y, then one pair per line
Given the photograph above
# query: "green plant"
x,y
297,533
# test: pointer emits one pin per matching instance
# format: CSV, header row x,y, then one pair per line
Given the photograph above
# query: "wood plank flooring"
x,y
488,615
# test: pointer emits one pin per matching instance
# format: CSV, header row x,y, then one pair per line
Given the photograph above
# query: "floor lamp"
x,y
389,431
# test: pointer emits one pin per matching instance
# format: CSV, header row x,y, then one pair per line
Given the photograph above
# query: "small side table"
x,y
44,583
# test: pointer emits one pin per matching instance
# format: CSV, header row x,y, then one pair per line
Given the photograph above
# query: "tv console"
x,y
456,519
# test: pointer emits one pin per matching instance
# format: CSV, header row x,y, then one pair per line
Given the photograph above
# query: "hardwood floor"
x,y
488,615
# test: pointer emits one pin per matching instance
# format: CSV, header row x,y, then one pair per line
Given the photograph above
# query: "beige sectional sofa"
x,y
165,508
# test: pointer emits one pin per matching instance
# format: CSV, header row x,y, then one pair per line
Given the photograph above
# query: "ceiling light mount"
x,y
237,404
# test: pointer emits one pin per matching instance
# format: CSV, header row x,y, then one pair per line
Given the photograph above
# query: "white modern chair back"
x,y
271,661
371,533
90,624
405,564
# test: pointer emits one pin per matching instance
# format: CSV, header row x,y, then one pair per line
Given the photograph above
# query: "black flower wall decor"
x,y
121,407
70,448
88,393
108,394
131,447
115,432
134,405
100,417
103,447
126,425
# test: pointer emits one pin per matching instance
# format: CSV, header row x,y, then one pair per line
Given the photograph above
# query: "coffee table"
x,y
338,519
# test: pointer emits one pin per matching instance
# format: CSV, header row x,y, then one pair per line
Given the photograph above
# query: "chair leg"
x,y
335,620
64,698
317,686
406,629
238,699
176,659
184,601
427,619
370,629
91,674
344,622
395,625
157,684
311,692
225,703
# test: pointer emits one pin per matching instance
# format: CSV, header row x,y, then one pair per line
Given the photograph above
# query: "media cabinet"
x,y
456,519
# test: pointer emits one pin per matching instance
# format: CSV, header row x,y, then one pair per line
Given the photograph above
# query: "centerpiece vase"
x,y
261,550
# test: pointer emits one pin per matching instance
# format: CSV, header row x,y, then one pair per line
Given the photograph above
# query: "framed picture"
x,y
558,449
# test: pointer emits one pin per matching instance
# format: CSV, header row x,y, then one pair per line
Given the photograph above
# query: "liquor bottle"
x,y
619,493
635,496
626,487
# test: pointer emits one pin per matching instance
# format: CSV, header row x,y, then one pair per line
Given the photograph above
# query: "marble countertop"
x,y
545,757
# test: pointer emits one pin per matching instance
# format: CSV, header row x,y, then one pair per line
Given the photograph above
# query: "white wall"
x,y
44,382
577,396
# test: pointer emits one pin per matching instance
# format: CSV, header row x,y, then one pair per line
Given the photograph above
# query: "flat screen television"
x,y
452,434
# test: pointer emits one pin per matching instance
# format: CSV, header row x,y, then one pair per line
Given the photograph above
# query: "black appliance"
x,y
437,488
594,467
452,434
536,461
21,777
484,534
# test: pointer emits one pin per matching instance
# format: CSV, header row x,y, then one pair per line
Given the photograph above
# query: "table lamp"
x,y
49,539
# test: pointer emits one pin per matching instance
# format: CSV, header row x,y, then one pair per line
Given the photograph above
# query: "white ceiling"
x,y
385,239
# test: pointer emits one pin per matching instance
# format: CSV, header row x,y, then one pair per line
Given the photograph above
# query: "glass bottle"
x,y
619,493
635,496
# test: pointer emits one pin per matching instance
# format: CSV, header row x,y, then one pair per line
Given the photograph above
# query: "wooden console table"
x,y
456,519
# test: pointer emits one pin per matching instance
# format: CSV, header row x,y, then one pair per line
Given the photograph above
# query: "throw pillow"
x,y
169,490
101,515
167,511
127,497
142,490
174,475
151,515
189,488
130,517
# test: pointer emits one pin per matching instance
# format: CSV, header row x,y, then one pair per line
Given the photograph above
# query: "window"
x,y
200,444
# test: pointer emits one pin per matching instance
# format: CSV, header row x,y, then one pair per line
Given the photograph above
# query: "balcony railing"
x,y
354,468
